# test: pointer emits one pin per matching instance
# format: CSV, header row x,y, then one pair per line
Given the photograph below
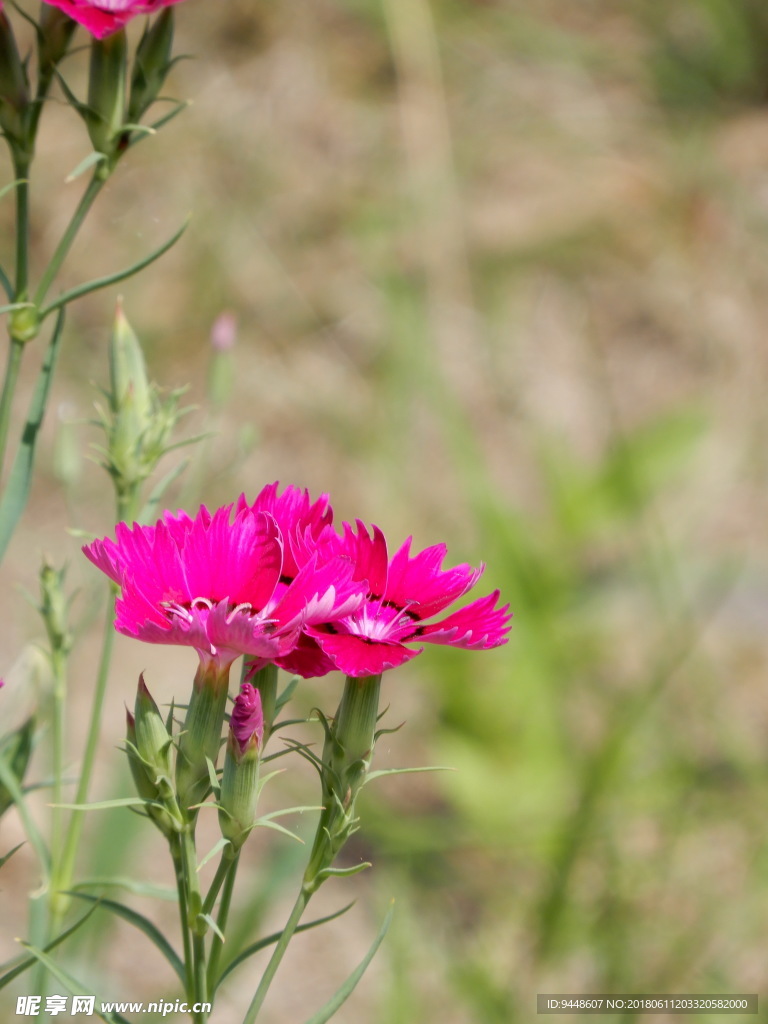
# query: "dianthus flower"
x,y
214,583
103,17
403,592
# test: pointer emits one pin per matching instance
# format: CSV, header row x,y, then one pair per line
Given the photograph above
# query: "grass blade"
x,y
333,1004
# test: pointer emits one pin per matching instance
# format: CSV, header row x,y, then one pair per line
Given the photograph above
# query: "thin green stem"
x,y
58,663
21,173
181,888
64,870
9,387
217,943
86,201
287,934
194,906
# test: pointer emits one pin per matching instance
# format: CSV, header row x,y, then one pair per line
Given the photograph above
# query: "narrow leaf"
x,y
105,805
158,892
69,982
148,513
10,782
344,872
211,924
90,161
138,920
19,481
270,940
404,771
287,693
349,985
22,963
213,851
7,286
7,857
121,275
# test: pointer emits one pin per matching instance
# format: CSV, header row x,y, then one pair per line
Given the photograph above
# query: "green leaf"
x,y
17,488
8,779
149,512
405,771
287,693
349,985
70,983
121,275
138,920
270,940
90,161
211,924
104,805
344,872
22,963
158,892
213,851
7,857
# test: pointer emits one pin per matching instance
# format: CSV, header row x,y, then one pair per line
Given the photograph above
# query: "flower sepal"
x,y
157,790
151,65
350,739
200,738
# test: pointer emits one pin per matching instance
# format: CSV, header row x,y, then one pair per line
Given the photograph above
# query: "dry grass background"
x,y
499,271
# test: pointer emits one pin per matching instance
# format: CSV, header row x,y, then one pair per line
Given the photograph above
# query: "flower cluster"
x,y
274,581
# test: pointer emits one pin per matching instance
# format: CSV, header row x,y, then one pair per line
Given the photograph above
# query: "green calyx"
x,y
151,65
347,754
14,90
105,114
239,793
200,739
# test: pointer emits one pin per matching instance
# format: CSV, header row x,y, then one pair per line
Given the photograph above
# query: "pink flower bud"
x,y
224,332
246,723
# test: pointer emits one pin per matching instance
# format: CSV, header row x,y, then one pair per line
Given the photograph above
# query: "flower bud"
x,y
152,739
151,65
165,817
14,90
240,781
105,116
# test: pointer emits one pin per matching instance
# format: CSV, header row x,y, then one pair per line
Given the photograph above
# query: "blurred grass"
x,y
500,278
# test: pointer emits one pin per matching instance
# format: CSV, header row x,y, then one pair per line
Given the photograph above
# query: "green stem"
x,y
217,944
21,173
64,870
58,662
9,387
197,981
181,889
86,201
287,934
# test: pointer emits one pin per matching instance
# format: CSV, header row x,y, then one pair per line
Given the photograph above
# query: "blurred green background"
x,y
500,275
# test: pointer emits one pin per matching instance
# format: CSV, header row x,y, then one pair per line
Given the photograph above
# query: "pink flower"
x,y
300,520
404,591
246,722
213,583
102,17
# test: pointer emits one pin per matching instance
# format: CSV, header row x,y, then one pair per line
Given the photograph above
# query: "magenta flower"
x,y
404,591
214,583
103,17
246,722
301,523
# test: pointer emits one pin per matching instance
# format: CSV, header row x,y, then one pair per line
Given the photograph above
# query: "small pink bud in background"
x,y
246,723
224,332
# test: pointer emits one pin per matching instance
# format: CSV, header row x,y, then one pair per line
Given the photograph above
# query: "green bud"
x,y
54,608
152,739
151,65
15,751
166,818
347,755
14,88
239,793
106,96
